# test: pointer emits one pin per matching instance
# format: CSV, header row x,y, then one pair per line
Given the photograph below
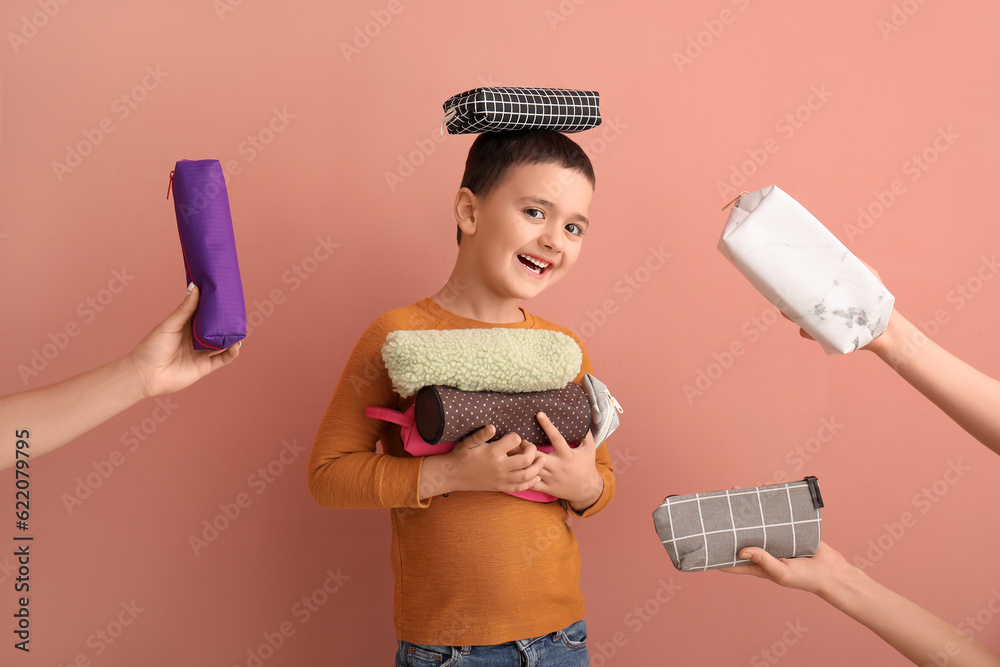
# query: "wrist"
x,y
590,493
131,377
439,474
845,587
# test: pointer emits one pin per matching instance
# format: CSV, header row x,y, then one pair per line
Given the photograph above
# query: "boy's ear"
x,y
465,211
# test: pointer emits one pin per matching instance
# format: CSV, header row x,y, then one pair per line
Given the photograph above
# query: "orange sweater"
x,y
471,567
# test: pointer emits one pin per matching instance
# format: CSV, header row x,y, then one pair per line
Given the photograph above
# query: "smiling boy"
x,y
480,575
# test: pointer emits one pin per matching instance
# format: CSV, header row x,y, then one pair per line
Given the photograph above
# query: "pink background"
x,y
673,132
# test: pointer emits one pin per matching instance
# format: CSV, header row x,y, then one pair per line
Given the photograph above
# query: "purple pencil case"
x,y
205,227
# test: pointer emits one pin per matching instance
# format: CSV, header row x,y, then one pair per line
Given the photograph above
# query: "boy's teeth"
x,y
538,263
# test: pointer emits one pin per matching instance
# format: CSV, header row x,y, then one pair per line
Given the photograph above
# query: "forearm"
x,y
438,475
57,414
965,394
364,480
907,627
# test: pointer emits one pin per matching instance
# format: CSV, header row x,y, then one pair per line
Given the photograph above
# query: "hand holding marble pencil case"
x,y
800,267
706,531
205,227
496,109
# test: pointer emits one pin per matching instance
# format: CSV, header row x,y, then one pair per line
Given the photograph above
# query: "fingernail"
x,y
744,555
190,287
542,414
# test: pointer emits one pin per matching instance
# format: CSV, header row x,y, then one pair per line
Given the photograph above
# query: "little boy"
x,y
482,577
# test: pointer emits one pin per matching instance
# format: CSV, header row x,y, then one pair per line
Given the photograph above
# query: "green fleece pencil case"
x,y
511,361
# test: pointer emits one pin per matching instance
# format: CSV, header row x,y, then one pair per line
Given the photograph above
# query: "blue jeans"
x,y
563,648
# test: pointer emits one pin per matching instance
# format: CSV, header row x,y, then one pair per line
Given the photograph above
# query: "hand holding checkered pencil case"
x,y
706,531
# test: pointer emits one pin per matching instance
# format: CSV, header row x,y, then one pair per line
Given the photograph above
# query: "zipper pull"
x,y
735,200
817,497
613,402
447,118
171,183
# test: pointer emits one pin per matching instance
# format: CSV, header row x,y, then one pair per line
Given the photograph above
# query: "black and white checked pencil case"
x,y
498,109
706,531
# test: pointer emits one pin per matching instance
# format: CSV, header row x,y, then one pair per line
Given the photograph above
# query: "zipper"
x,y
735,201
603,434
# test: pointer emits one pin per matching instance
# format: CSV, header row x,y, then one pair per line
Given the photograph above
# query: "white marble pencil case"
x,y
800,267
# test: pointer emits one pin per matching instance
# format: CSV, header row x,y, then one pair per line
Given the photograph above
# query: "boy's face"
x,y
528,232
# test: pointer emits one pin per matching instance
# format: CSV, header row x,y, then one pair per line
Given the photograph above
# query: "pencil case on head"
x,y
706,531
497,109
205,227
800,267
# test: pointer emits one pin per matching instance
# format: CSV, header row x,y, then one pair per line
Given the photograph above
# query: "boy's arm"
x,y
965,394
344,469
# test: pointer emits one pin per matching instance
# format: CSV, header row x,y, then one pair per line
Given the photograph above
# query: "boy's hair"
x,y
493,154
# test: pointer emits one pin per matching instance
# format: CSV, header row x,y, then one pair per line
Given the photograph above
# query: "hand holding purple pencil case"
x,y
205,227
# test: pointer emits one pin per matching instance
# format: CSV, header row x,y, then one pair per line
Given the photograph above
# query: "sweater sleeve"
x,y
344,468
602,457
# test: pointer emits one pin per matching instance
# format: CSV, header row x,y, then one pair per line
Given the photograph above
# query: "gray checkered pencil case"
x,y
706,531
498,109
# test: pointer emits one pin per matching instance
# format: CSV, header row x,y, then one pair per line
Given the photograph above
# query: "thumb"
x,y
478,438
176,320
768,563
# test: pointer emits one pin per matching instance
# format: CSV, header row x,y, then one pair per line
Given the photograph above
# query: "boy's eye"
x,y
535,213
574,229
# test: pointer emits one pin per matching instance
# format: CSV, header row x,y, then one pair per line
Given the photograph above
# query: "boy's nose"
x,y
550,239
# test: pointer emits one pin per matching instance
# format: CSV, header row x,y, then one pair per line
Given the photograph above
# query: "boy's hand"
x,y
508,464
569,473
